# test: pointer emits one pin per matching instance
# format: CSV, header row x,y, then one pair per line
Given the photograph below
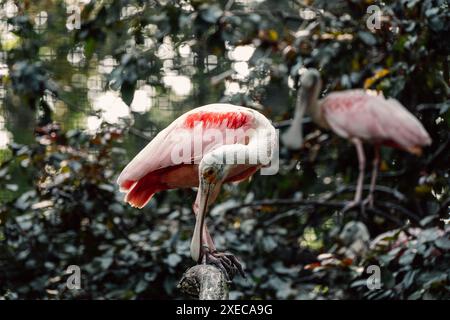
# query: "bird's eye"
x,y
208,172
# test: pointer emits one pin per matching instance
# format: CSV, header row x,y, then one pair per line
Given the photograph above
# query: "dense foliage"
x,y
59,204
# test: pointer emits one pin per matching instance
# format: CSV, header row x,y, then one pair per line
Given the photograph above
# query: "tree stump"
x,y
205,282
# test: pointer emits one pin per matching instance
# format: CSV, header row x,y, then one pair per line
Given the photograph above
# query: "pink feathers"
x,y
154,169
355,113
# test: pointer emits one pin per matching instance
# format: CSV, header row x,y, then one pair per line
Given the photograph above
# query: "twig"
x,y
229,5
444,205
205,282
139,134
443,147
320,202
287,123
383,189
404,211
325,202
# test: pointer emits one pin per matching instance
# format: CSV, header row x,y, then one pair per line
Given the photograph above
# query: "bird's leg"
x,y
373,179
208,241
362,165
225,261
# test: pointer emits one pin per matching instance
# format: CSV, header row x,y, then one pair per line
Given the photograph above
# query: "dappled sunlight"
x,y
9,9
241,69
111,106
142,101
76,56
93,123
180,85
185,50
232,88
241,53
106,65
4,71
5,138
5,135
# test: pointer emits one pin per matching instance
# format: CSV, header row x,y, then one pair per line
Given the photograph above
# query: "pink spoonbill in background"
x,y
214,137
357,116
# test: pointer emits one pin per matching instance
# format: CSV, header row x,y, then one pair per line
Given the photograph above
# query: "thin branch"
x,y
325,202
139,134
404,211
443,147
445,205
383,189
229,5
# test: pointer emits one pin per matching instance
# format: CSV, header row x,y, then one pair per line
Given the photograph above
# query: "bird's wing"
x,y
354,113
405,129
187,138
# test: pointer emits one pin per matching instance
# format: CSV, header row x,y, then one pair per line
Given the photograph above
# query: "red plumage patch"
x,y
344,103
143,190
127,184
232,120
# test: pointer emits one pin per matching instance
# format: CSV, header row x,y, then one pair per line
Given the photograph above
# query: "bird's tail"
x,y
140,192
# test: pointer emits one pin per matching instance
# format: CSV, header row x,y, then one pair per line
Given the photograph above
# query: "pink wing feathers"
x,y
355,113
140,178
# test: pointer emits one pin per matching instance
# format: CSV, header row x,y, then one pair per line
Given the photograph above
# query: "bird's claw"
x,y
351,205
225,261
368,202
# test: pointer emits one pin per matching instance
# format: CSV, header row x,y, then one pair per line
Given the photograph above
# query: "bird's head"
x,y
310,85
212,169
311,81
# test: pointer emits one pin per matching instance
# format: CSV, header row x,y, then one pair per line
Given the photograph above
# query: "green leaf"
x,y
409,278
211,14
443,243
90,47
416,295
407,257
428,219
173,259
367,38
106,262
127,92
141,286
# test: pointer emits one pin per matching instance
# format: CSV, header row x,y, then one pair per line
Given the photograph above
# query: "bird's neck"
x,y
314,110
312,106
258,151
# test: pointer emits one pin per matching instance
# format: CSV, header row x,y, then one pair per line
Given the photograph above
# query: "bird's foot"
x,y
368,202
351,205
225,261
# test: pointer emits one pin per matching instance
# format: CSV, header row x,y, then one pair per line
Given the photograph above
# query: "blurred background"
x,y
84,85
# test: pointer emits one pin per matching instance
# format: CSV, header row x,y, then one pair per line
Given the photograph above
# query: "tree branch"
x,y
205,282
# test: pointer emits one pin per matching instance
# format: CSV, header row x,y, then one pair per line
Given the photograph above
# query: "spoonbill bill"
x,y
358,116
204,148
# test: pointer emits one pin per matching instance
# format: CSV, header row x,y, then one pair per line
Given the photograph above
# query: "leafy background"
x,y
63,145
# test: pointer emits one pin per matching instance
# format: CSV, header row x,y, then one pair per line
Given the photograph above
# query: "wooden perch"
x,y
205,282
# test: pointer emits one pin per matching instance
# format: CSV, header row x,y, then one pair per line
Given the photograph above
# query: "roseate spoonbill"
x,y
357,116
198,149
